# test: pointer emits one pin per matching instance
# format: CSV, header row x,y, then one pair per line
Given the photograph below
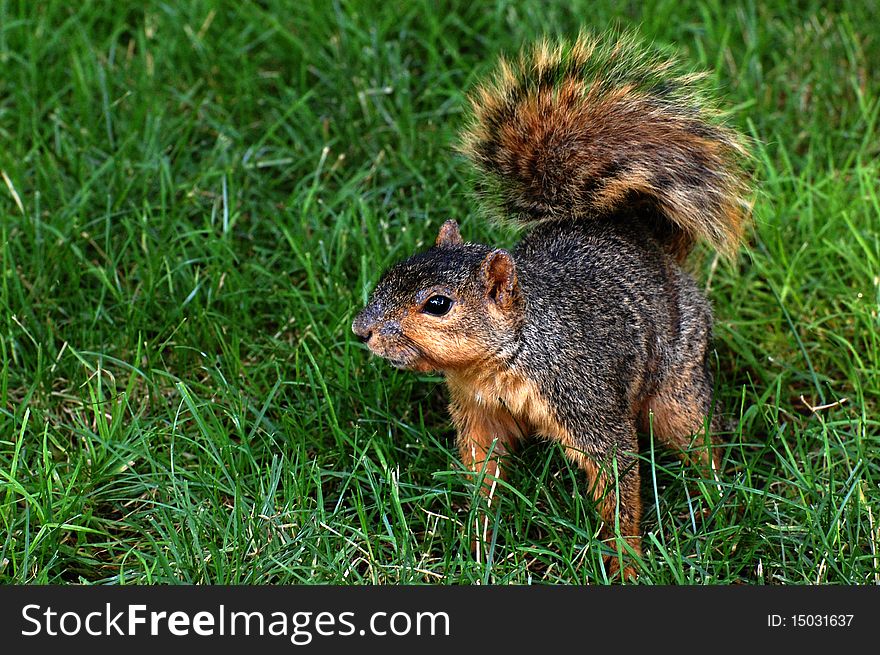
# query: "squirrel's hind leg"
x,y
677,415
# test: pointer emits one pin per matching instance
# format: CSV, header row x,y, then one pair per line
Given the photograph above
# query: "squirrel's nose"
x,y
362,329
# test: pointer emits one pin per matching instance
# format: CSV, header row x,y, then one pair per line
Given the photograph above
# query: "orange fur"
x,y
583,129
622,148
493,408
443,344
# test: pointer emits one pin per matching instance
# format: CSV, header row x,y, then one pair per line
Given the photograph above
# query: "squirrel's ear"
x,y
499,275
449,235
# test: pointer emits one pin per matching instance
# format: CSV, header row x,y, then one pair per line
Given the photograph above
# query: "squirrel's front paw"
x,y
629,573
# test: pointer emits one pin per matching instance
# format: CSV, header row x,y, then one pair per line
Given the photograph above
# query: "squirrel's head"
x,y
452,307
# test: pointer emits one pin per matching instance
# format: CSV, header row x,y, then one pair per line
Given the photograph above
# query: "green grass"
x,y
196,199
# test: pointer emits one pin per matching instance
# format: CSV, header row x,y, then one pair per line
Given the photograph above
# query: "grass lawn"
x,y
197,197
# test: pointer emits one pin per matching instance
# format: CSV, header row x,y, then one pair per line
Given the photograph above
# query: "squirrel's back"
x,y
596,129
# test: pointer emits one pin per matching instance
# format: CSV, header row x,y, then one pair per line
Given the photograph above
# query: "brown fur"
x,y
493,409
588,328
676,413
574,146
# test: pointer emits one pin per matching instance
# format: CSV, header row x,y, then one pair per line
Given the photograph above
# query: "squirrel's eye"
x,y
437,305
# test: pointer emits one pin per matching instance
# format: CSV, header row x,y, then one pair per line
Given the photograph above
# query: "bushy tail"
x,y
596,129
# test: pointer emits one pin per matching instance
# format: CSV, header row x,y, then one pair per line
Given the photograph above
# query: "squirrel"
x,y
589,330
